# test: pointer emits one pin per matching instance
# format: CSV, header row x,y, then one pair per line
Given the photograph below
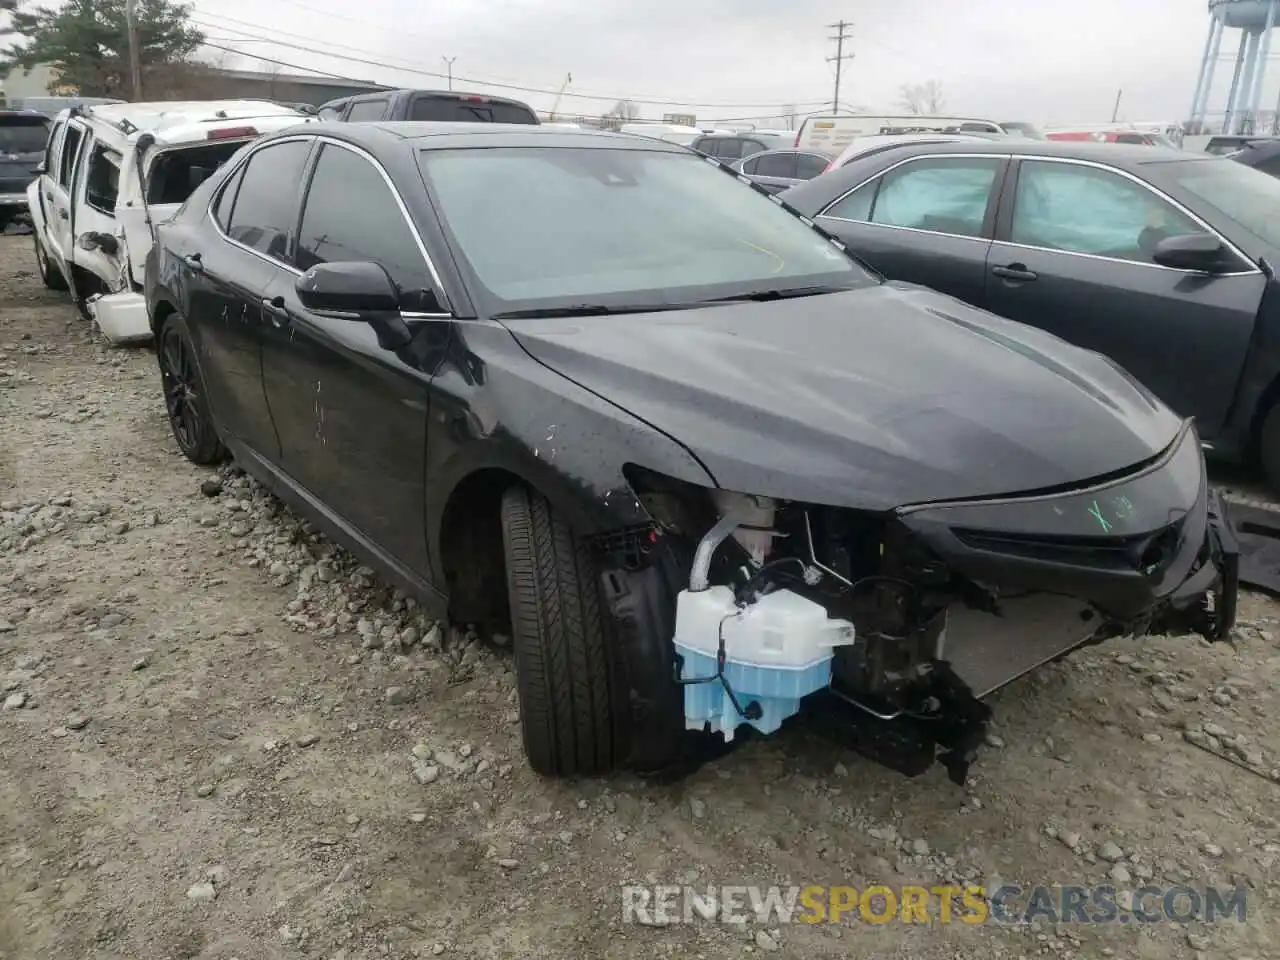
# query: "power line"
x,y
257,30
841,35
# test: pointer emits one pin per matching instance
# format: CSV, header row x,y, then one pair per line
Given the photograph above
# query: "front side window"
x,y
367,110
70,150
351,214
550,227
266,205
1248,197
1082,209
940,194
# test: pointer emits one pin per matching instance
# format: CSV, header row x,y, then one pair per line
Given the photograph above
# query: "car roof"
x,y
444,135
180,121
1114,154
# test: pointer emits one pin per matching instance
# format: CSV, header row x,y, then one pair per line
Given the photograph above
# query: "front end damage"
x,y
889,629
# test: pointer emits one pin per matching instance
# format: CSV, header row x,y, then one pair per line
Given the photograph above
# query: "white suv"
x,y
109,173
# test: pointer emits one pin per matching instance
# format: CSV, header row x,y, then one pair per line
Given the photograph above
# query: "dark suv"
x,y
23,135
431,105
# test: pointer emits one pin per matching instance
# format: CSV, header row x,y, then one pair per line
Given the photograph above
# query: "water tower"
x,y
1255,19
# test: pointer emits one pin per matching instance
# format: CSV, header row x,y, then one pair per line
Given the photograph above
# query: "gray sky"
x,y
1003,59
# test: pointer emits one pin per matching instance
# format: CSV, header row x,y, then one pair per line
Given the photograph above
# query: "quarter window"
x,y
941,194
266,205
367,110
1080,209
227,199
809,165
351,214
70,148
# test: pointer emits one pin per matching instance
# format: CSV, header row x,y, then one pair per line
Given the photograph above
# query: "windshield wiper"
x,y
780,293
589,310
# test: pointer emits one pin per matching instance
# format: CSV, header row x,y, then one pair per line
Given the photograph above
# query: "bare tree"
x,y
923,98
624,110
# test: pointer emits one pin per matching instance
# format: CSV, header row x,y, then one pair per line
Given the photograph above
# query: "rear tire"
x,y
564,642
50,274
185,399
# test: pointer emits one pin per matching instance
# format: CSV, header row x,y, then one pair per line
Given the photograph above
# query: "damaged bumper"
x,y
971,595
1148,550
122,317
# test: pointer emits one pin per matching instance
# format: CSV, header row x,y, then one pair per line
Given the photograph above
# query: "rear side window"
x,y
102,185
50,147
351,214
70,149
367,110
266,205
942,195
776,165
809,166
454,110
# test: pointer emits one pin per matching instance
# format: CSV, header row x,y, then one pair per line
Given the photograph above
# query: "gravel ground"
x,y
221,738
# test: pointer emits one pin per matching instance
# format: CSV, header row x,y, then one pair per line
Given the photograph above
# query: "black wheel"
x,y
184,396
1269,448
564,642
51,275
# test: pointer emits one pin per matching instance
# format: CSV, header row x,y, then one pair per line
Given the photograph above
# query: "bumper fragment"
x,y
122,317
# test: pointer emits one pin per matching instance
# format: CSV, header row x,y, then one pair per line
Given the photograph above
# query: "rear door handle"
x,y
194,263
1015,271
63,215
276,311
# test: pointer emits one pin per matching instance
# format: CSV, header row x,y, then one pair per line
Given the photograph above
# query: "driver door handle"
x,y
63,214
275,311
1015,271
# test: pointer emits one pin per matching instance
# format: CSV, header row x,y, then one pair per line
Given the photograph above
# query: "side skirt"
x,y
435,604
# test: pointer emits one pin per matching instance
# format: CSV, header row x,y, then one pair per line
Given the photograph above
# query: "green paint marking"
x,y
1097,515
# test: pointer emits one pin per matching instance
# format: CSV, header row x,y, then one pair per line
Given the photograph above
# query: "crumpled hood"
x,y
873,398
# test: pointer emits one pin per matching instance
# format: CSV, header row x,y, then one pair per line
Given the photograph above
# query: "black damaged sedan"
x,y
705,468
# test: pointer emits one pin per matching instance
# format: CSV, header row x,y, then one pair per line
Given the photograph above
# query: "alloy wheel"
x,y
182,397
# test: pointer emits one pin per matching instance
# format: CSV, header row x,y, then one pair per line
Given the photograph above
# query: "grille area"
x,y
1148,553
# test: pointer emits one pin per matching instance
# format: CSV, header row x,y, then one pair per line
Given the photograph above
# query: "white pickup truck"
x,y
110,172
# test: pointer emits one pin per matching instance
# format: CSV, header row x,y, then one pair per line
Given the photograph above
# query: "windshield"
x,y
23,134
543,227
1242,194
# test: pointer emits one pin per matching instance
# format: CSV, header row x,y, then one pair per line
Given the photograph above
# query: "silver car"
x,y
776,170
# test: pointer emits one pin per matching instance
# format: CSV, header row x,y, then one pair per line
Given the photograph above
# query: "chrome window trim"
x,y
1200,221
364,154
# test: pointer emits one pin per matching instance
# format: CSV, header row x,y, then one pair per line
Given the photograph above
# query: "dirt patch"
x,y
222,738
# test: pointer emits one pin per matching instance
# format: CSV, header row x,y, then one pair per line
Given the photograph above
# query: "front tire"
x,y
51,275
564,642
185,399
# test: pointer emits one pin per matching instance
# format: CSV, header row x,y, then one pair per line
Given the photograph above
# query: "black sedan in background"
x,y
776,170
1263,155
1160,259
551,382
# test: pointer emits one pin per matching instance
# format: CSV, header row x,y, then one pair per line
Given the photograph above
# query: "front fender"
x,y
495,408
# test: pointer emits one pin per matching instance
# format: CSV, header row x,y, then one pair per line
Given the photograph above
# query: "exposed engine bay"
x,y
890,628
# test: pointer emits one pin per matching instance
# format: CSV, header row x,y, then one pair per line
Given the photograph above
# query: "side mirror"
x,y
353,290
40,169
1194,251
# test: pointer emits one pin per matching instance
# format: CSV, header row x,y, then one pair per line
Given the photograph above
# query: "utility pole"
x,y
135,66
841,35
448,63
1115,110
